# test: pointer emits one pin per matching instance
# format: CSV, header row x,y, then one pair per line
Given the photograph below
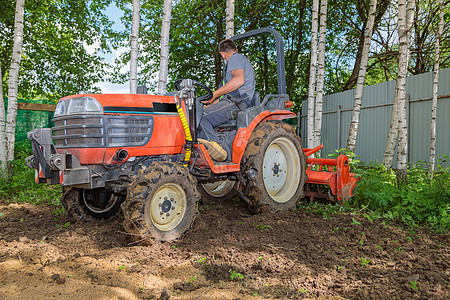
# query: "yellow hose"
x,y
187,132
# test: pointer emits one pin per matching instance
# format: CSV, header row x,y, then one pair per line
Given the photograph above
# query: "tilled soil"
x,y
229,254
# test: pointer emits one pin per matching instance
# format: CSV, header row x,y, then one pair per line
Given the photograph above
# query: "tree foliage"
x,y
55,59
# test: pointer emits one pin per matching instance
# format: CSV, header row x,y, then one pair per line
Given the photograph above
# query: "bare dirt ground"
x,y
229,254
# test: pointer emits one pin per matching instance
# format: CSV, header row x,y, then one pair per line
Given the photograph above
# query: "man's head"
x,y
227,48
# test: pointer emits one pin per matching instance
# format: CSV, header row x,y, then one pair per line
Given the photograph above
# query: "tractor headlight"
x,y
78,105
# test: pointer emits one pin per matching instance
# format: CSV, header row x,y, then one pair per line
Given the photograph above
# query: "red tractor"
x,y
139,153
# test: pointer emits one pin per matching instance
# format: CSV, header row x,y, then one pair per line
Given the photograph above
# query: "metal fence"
x,y
376,115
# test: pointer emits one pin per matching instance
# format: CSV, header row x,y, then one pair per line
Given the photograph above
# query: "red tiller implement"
x,y
332,172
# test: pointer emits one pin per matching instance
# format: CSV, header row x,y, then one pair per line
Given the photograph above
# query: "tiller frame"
x,y
331,172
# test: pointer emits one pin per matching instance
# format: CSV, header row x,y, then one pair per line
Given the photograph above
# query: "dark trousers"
x,y
217,114
213,116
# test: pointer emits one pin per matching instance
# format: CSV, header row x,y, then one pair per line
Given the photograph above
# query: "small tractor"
x,y
139,153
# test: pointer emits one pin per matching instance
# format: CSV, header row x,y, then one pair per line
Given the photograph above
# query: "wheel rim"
x,y
168,206
219,188
281,169
96,207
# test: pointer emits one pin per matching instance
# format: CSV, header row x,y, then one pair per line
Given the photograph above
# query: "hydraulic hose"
x,y
187,132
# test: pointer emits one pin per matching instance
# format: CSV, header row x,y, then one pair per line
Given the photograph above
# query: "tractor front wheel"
x,y
274,164
161,204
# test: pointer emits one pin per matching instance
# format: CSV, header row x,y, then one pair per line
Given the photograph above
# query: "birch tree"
x,y
13,81
404,52
312,73
164,55
353,132
320,73
230,19
435,86
405,21
134,46
2,129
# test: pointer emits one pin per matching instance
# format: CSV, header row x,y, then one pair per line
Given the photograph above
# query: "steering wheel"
x,y
206,97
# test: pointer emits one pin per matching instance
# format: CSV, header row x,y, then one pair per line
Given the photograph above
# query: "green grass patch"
x,y
22,187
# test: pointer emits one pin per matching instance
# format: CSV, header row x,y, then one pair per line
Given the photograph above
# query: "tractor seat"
x,y
232,124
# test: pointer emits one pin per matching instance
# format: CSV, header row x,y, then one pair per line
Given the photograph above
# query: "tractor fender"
x,y
243,134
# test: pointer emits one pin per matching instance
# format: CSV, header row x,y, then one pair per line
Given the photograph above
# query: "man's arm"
x,y
236,82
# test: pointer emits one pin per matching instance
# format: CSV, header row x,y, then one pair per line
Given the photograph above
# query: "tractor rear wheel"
x,y
90,204
218,191
161,204
274,164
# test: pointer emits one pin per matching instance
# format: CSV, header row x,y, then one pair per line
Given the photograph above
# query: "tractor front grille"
x,y
91,131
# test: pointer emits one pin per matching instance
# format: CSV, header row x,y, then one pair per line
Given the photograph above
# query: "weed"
x,y
361,242
68,275
335,229
255,294
379,247
21,221
400,249
193,279
234,275
57,225
263,227
339,267
174,246
355,222
303,290
121,267
267,284
364,261
409,238
414,285
201,260
2,214
66,225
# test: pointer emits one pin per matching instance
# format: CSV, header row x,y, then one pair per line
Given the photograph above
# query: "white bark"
x,y
164,57
230,18
388,157
13,82
406,18
2,129
312,74
351,141
134,46
435,86
404,33
320,73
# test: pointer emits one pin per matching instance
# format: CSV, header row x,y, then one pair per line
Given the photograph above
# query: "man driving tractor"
x,y
234,94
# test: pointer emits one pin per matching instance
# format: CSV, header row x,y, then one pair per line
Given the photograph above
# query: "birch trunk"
x,y
320,73
406,16
2,130
353,132
230,19
312,74
164,56
435,86
13,82
388,157
134,46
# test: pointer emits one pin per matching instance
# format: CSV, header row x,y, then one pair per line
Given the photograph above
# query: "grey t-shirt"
x,y
239,61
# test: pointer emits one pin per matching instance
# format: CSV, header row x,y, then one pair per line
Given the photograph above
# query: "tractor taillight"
x,y
288,104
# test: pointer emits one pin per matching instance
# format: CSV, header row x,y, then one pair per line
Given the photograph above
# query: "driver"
x,y
235,93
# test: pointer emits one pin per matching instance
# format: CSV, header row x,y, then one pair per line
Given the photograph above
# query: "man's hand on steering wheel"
x,y
205,99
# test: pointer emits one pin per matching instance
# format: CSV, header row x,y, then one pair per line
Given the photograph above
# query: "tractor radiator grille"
x,y
90,131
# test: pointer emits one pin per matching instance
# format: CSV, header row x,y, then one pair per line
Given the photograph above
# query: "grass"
x,y
22,188
423,202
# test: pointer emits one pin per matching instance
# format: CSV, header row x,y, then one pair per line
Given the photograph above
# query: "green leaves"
x,y
424,200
